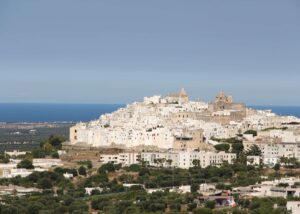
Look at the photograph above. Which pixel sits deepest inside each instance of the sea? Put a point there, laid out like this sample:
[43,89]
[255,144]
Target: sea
[70,113]
[281,110]
[54,113]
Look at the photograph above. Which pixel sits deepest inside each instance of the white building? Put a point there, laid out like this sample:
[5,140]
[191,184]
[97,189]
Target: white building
[170,159]
[15,153]
[253,160]
[46,163]
[181,189]
[89,190]
[293,207]
[125,159]
[68,175]
[271,189]
[187,159]
[11,173]
[10,170]
[273,151]
[18,190]
[157,120]
[180,159]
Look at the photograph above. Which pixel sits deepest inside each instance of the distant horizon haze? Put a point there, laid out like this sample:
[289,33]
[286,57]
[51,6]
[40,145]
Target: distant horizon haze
[124,104]
[140,99]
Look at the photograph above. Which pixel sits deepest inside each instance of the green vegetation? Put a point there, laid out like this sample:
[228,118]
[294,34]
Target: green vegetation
[290,162]
[133,168]
[4,158]
[42,204]
[82,171]
[237,148]
[235,144]
[61,195]
[222,147]
[53,141]
[237,174]
[253,132]
[88,164]
[254,151]
[264,205]
[25,164]
[48,147]
[27,141]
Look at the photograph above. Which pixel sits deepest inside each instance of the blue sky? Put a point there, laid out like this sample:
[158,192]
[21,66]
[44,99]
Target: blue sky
[74,51]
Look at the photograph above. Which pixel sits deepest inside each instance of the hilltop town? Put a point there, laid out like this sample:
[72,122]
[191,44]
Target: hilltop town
[175,124]
[167,122]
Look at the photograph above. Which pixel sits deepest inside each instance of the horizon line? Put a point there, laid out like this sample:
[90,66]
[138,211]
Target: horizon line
[77,103]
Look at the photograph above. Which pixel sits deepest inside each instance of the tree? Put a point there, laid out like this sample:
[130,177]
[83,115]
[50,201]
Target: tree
[191,206]
[34,177]
[99,204]
[293,161]
[175,206]
[82,171]
[109,167]
[237,148]
[202,211]
[134,168]
[194,188]
[196,163]
[9,210]
[56,141]
[144,163]
[222,147]
[73,171]
[95,192]
[34,207]
[169,162]
[157,206]
[254,151]
[144,171]
[284,160]
[48,147]
[55,155]
[25,164]
[38,153]
[160,161]
[89,164]
[283,185]
[45,183]
[4,158]
[78,207]
[210,204]
[277,167]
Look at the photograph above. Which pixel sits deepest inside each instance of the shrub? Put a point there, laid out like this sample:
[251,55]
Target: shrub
[202,211]
[82,171]
[25,164]
[222,147]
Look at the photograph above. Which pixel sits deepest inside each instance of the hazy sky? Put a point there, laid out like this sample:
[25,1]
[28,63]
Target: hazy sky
[97,51]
